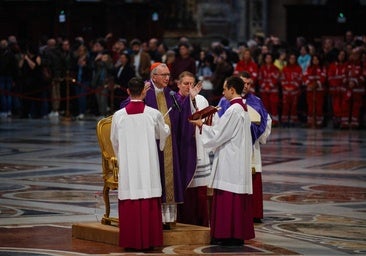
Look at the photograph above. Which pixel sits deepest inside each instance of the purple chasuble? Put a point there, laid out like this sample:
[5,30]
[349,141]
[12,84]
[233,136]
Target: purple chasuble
[256,103]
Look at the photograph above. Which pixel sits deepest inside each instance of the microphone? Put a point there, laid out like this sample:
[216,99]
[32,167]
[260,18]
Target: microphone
[175,102]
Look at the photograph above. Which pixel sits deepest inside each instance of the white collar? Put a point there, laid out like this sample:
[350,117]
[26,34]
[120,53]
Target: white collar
[157,90]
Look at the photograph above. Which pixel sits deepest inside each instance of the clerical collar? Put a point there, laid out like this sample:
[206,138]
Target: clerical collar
[156,88]
[136,100]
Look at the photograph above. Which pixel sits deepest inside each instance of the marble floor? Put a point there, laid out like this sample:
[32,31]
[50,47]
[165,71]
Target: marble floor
[314,184]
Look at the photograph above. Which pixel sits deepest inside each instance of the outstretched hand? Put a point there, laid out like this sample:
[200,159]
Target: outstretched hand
[196,89]
[147,86]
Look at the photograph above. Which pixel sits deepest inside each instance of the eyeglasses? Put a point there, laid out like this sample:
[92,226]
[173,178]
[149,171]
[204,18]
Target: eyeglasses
[163,74]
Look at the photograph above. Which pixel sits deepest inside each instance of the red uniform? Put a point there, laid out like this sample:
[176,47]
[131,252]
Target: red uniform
[269,90]
[352,97]
[314,79]
[291,80]
[336,81]
[251,67]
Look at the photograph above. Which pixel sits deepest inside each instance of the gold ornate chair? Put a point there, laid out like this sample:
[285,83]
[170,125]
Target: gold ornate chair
[109,166]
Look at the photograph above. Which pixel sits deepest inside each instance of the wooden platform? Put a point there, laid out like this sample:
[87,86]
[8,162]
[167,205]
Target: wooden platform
[180,234]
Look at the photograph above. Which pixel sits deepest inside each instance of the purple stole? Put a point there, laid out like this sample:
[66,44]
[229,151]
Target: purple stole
[256,103]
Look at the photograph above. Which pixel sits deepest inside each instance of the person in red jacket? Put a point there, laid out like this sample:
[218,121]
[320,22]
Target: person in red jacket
[246,63]
[336,80]
[269,87]
[291,80]
[352,97]
[314,79]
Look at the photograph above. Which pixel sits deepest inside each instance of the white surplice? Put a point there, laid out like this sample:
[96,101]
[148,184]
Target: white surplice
[256,155]
[230,139]
[203,170]
[134,142]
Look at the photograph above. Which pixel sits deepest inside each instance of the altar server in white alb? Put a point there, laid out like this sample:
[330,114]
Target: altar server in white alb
[260,129]
[134,132]
[231,141]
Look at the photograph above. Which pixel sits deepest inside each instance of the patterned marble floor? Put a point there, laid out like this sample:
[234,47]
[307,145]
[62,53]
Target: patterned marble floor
[314,188]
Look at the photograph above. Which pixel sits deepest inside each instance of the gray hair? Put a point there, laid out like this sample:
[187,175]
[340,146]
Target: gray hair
[153,71]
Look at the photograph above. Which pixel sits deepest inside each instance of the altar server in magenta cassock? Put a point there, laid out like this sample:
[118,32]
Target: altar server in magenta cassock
[174,178]
[231,180]
[260,132]
[134,132]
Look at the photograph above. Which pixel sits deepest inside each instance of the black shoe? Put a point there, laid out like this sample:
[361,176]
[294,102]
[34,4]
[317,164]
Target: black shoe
[149,249]
[127,249]
[214,241]
[232,242]
[227,242]
[257,220]
[166,226]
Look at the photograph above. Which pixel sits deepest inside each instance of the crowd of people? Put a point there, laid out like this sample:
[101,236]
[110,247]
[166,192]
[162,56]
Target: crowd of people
[152,90]
[304,84]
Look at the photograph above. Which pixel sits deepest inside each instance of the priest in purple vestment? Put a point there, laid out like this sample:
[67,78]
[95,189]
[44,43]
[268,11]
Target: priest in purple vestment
[194,210]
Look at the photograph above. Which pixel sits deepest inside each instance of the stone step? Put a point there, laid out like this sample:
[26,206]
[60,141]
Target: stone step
[109,234]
